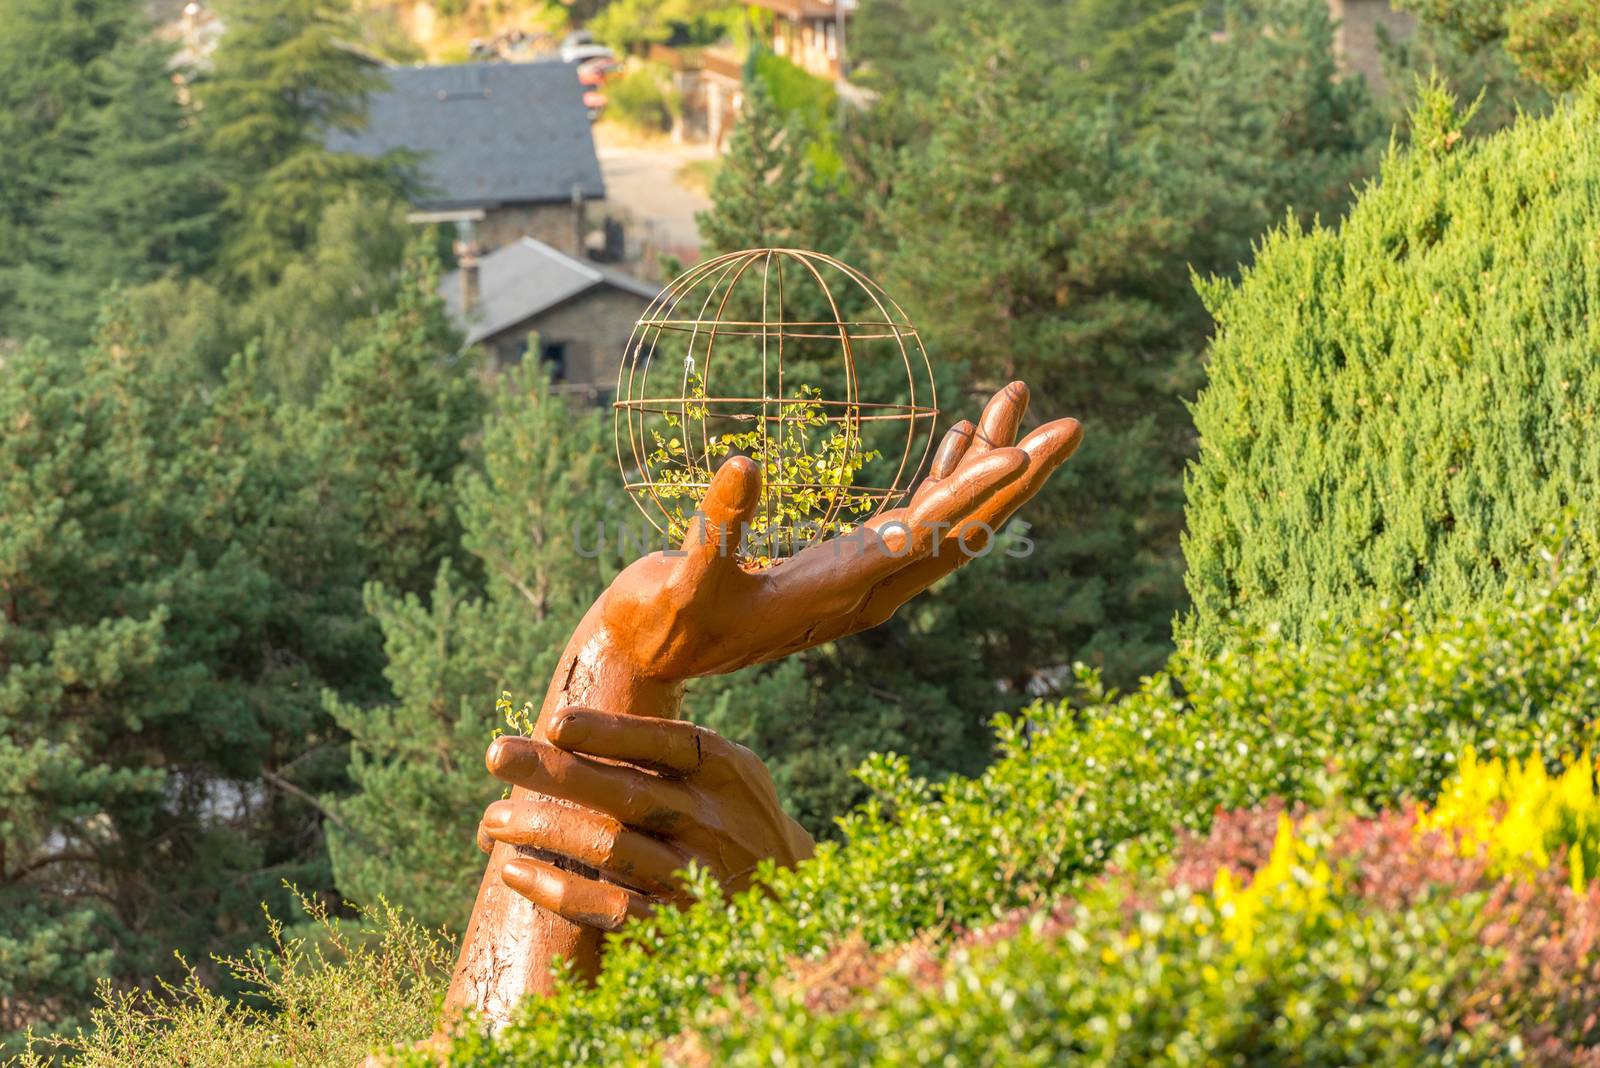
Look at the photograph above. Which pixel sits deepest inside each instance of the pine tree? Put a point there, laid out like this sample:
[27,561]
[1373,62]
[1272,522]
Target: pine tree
[763,181]
[541,522]
[283,76]
[1554,42]
[134,202]
[100,183]
[388,431]
[172,610]
[1118,50]
[1263,124]
[1057,255]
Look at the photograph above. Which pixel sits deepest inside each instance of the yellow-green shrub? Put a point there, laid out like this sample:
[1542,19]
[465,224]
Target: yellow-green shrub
[1521,816]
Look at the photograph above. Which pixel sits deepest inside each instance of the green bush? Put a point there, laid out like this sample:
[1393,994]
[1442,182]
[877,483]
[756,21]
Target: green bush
[1361,717]
[1397,406]
[1318,941]
[322,997]
[1371,713]
[644,98]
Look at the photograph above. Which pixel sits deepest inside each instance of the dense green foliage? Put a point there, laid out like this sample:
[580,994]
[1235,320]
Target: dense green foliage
[103,180]
[1554,42]
[169,614]
[183,554]
[284,74]
[1362,715]
[417,763]
[1349,941]
[1396,408]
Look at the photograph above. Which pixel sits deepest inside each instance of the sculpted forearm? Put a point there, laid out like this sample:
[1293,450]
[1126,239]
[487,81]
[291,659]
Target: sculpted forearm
[612,795]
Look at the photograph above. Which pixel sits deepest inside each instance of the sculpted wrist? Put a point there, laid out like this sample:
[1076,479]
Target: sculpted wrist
[596,671]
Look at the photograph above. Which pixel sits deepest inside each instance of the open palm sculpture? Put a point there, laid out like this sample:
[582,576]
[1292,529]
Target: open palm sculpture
[612,794]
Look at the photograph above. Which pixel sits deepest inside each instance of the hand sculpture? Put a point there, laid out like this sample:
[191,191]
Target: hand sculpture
[607,805]
[638,799]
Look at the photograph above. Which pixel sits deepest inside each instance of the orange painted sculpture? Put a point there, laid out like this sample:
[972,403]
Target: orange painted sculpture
[612,793]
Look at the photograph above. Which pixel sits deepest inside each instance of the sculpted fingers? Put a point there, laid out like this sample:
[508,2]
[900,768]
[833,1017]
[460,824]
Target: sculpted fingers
[997,427]
[591,838]
[827,583]
[954,446]
[1047,448]
[671,747]
[630,795]
[576,898]
[952,449]
[713,537]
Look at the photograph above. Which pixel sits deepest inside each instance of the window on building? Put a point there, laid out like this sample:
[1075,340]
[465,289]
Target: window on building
[553,354]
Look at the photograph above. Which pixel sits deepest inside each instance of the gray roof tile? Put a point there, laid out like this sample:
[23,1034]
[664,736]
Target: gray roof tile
[524,279]
[488,133]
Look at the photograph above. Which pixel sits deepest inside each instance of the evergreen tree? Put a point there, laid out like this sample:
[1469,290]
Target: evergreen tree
[1554,42]
[1060,254]
[101,183]
[327,297]
[1398,408]
[325,301]
[284,76]
[1118,50]
[541,521]
[134,202]
[388,431]
[170,609]
[759,186]
[1057,255]
[1263,124]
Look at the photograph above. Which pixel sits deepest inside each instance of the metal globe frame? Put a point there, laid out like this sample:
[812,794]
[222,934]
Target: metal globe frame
[688,317]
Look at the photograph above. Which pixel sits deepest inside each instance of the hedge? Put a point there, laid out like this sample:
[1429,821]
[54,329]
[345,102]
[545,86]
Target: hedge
[1366,714]
[1396,407]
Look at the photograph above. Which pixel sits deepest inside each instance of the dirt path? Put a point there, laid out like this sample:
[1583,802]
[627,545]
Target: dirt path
[643,186]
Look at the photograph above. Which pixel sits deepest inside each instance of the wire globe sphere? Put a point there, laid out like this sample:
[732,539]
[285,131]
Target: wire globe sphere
[791,358]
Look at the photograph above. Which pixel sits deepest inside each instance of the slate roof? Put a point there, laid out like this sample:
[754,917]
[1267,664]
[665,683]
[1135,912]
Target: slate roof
[488,133]
[524,279]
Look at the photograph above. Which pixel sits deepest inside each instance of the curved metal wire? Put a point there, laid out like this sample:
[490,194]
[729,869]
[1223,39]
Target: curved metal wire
[711,284]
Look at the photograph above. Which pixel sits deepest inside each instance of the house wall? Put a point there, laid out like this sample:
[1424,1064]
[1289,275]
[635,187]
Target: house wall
[809,43]
[560,225]
[1357,33]
[594,329]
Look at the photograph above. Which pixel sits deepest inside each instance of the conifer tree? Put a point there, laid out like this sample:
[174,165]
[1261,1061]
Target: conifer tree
[102,182]
[285,75]
[763,181]
[1057,255]
[171,606]
[541,523]
[388,431]
[1398,408]
[1554,42]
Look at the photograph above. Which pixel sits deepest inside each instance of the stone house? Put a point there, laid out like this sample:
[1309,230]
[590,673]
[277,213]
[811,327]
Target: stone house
[504,149]
[581,313]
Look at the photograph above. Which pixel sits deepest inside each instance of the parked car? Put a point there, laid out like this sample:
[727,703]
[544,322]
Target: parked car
[595,101]
[578,53]
[595,71]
